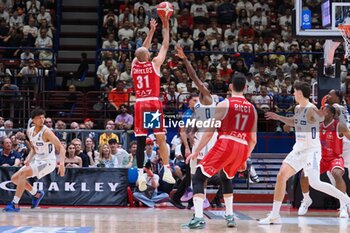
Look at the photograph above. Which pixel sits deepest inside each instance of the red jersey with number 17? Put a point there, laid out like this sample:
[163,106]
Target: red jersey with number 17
[239,119]
[332,144]
[146,79]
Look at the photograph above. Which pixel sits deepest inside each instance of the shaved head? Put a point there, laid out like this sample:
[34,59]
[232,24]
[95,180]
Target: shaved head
[142,54]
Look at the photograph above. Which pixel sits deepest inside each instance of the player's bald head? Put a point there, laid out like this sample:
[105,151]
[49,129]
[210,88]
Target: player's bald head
[142,54]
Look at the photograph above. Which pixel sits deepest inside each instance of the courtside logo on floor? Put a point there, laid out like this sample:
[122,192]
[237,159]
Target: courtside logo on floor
[12,229]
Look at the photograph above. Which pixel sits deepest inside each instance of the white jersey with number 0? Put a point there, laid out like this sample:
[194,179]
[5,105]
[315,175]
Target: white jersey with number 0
[306,134]
[43,150]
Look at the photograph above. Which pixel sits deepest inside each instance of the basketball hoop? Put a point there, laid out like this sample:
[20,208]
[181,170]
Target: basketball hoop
[345,31]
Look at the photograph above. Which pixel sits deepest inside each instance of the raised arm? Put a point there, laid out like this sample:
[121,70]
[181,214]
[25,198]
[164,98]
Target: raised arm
[191,72]
[148,40]
[158,61]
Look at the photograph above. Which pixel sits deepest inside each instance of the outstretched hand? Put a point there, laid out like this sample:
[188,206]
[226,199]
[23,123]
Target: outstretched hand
[271,116]
[153,24]
[165,21]
[180,52]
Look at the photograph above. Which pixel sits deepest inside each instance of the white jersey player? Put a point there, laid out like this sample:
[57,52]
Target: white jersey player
[203,110]
[306,153]
[40,161]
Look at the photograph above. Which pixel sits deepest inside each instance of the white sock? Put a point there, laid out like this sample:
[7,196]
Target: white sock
[276,208]
[228,205]
[16,199]
[205,194]
[140,171]
[307,196]
[198,207]
[34,191]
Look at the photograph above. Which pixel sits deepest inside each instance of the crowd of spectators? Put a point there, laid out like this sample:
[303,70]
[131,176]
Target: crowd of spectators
[25,25]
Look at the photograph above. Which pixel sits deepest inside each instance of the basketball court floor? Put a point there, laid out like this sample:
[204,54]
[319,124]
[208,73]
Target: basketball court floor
[163,219]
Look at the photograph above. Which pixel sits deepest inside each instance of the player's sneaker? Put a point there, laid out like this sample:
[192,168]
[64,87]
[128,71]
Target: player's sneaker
[304,206]
[269,220]
[230,221]
[168,177]
[188,195]
[343,212]
[36,200]
[11,207]
[142,184]
[195,223]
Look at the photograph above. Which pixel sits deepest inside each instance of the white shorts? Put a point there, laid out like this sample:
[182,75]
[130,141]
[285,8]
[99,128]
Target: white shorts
[203,152]
[306,159]
[42,167]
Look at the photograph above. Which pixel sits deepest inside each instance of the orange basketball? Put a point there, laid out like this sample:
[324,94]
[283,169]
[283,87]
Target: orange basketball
[165,9]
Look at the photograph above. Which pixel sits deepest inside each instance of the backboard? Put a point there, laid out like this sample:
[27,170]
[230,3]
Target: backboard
[319,19]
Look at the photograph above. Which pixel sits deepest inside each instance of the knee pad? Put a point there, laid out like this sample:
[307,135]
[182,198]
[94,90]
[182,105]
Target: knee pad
[227,186]
[198,181]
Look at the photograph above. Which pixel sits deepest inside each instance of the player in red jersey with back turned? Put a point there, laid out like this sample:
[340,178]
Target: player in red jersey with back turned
[148,108]
[236,140]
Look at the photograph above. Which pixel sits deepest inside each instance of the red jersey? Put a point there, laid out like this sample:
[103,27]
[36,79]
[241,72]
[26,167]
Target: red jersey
[332,144]
[146,79]
[239,119]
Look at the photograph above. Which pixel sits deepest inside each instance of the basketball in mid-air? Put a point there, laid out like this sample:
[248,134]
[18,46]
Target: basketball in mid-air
[165,9]
[324,100]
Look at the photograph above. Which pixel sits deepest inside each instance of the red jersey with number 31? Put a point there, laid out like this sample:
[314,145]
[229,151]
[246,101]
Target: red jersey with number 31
[332,144]
[239,119]
[146,79]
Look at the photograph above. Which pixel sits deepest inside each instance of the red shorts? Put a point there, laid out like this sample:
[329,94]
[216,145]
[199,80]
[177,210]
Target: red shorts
[144,112]
[226,154]
[330,165]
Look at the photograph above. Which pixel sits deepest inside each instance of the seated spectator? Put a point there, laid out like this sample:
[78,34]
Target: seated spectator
[289,65]
[213,31]
[16,21]
[10,96]
[8,125]
[187,17]
[124,120]
[242,17]
[105,158]
[126,76]
[61,125]
[199,12]
[8,156]
[261,46]
[78,152]
[219,86]
[72,161]
[19,144]
[4,14]
[123,157]
[125,18]
[132,151]
[30,32]
[150,154]
[185,42]
[226,12]
[150,197]
[245,46]
[110,19]
[89,149]
[33,7]
[103,70]
[44,15]
[4,32]
[27,74]
[255,89]
[172,98]
[245,5]
[43,41]
[105,137]
[118,95]
[248,32]
[50,29]
[141,4]
[263,101]
[284,105]
[225,71]
[25,57]
[231,31]
[110,43]
[141,16]
[49,123]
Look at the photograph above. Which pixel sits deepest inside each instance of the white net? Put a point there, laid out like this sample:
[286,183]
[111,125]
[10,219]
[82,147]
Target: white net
[345,31]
